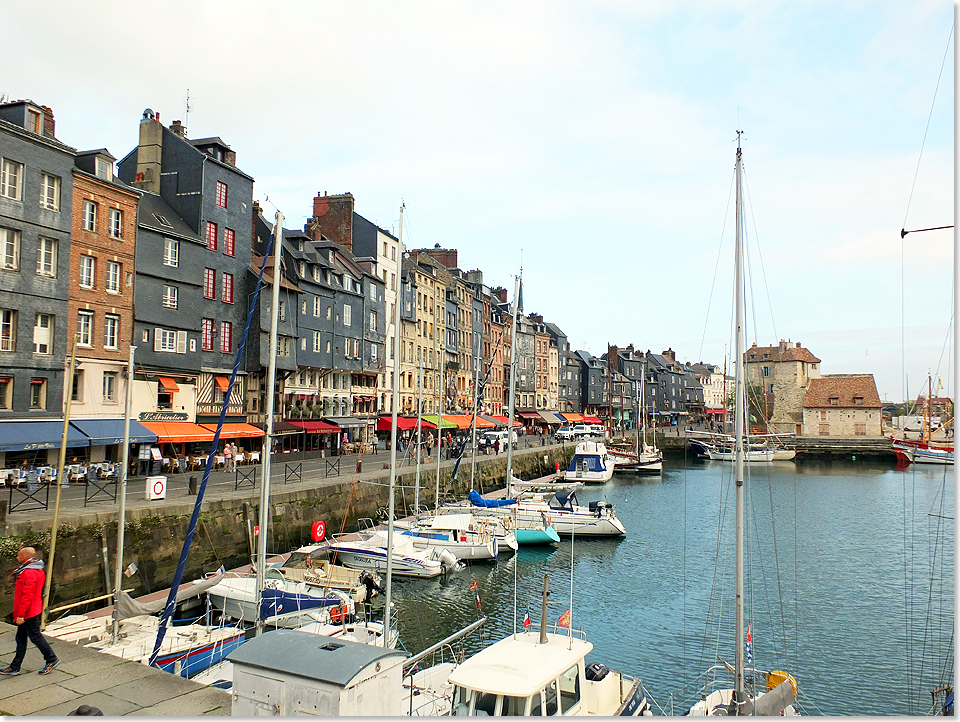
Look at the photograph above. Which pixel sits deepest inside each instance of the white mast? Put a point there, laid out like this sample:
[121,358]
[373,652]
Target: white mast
[418,441]
[393,444]
[513,385]
[739,421]
[122,491]
[268,426]
[440,383]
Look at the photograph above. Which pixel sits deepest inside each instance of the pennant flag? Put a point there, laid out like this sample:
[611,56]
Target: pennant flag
[749,647]
[130,570]
[474,585]
[222,569]
[564,620]
[526,621]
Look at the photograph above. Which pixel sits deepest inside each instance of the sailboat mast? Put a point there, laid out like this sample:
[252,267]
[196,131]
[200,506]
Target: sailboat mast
[268,421]
[393,447]
[440,381]
[739,420]
[418,440]
[513,386]
[122,491]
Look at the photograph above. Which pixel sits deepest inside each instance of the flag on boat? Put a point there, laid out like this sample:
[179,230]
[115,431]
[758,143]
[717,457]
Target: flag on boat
[526,621]
[474,585]
[564,620]
[749,648]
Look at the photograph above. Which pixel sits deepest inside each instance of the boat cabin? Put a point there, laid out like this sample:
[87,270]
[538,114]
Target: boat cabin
[521,676]
[288,672]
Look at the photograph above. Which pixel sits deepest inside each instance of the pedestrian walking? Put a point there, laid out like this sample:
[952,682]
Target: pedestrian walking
[228,457]
[29,579]
[496,447]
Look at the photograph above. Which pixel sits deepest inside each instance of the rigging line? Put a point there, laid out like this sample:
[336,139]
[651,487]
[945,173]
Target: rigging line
[763,271]
[716,265]
[927,129]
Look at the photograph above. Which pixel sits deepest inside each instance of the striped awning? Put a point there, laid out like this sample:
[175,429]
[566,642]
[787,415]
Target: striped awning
[551,417]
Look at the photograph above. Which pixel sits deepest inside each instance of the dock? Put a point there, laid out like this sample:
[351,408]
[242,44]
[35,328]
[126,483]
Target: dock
[114,686]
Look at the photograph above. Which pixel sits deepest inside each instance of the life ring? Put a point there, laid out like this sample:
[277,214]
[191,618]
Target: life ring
[317,531]
[338,613]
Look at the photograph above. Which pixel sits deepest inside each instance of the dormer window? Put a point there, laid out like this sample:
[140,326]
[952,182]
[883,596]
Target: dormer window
[34,122]
[858,401]
[104,169]
[833,401]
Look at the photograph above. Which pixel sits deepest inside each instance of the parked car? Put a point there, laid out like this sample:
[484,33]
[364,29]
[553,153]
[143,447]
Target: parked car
[587,430]
[564,432]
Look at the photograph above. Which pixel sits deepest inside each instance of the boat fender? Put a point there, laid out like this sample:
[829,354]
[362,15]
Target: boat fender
[317,531]
[596,671]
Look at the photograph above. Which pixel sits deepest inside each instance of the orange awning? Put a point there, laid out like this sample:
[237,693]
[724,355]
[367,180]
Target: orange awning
[505,420]
[235,431]
[572,417]
[464,421]
[175,432]
[223,383]
[168,385]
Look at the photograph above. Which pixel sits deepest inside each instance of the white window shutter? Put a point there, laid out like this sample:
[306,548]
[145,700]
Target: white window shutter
[157,334]
[181,341]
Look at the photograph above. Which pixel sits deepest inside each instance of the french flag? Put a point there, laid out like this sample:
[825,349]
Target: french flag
[526,621]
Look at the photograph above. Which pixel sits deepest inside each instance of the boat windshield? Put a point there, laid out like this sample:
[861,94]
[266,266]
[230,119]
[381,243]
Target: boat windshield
[307,560]
[486,704]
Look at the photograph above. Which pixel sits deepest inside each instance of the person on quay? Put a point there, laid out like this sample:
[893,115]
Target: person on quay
[29,579]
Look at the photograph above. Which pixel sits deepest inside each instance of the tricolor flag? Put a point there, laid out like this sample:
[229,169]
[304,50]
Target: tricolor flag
[749,647]
[526,621]
[564,620]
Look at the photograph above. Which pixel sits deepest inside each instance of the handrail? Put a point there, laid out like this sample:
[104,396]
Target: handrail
[410,661]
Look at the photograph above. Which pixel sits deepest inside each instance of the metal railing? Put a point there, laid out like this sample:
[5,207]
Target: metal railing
[245,476]
[293,471]
[29,496]
[105,488]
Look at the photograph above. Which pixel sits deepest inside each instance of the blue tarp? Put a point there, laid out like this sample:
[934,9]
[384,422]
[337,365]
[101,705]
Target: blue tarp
[104,432]
[478,500]
[31,435]
[594,463]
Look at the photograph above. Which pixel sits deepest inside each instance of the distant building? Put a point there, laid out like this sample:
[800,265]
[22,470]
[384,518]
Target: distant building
[783,372]
[842,405]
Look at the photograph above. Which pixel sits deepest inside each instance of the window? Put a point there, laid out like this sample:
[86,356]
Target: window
[328,347]
[206,334]
[116,223]
[43,334]
[346,315]
[316,305]
[212,233]
[393,253]
[163,221]
[85,328]
[104,169]
[282,310]
[824,430]
[8,329]
[226,336]
[33,123]
[9,249]
[858,401]
[373,292]
[316,341]
[111,331]
[169,341]
[329,312]
[38,393]
[860,429]
[822,414]
[170,295]
[356,348]
[110,386]
[227,290]
[303,307]
[393,282]
[834,401]
[11,179]
[114,274]
[569,689]
[302,268]
[76,392]
[373,353]
[47,258]
[6,392]
[373,320]
[316,274]
[89,216]
[221,194]
[49,192]
[765,370]
[209,283]
[229,241]
[88,271]
[171,252]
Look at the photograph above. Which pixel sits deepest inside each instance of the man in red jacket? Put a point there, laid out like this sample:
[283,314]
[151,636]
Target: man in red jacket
[28,610]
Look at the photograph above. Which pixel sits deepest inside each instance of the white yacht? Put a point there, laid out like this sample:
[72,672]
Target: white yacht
[561,511]
[466,536]
[367,550]
[590,464]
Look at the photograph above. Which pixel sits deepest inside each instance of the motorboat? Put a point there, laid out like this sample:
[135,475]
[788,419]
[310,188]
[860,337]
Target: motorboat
[367,550]
[526,530]
[282,603]
[590,464]
[311,564]
[465,536]
[563,513]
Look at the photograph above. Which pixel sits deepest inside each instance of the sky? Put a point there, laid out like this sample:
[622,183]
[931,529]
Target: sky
[591,145]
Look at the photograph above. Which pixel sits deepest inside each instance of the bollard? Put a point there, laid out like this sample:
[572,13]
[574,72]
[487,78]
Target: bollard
[3,510]
[192,491]
[359,466]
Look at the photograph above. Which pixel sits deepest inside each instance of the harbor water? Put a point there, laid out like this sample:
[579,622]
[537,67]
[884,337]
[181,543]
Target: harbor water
[849,582]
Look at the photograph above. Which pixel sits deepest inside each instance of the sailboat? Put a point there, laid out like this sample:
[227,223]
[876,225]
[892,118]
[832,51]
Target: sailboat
[922,451]
[777,690]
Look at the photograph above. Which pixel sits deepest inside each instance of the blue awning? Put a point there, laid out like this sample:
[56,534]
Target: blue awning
[104,432]
[31,435]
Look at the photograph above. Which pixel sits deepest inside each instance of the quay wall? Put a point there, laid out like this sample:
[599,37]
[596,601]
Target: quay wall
[154,535]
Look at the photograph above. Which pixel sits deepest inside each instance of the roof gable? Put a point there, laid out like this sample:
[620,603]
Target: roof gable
[844,388]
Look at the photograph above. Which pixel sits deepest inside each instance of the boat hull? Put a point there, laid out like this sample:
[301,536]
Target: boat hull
[375,560]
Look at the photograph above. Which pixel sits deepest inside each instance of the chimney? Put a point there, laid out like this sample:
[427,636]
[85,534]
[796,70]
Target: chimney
[149,152]
[500,294]
[798,344]
[48,125]
[670,354]
[446,257]
[179,129]
[333,217]
[783,345]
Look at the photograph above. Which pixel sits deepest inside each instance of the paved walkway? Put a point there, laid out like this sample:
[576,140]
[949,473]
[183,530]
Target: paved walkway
[222,485]
[113,685]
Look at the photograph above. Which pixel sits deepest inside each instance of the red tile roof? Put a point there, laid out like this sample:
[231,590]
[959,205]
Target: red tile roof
[845,388]
[780,354]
